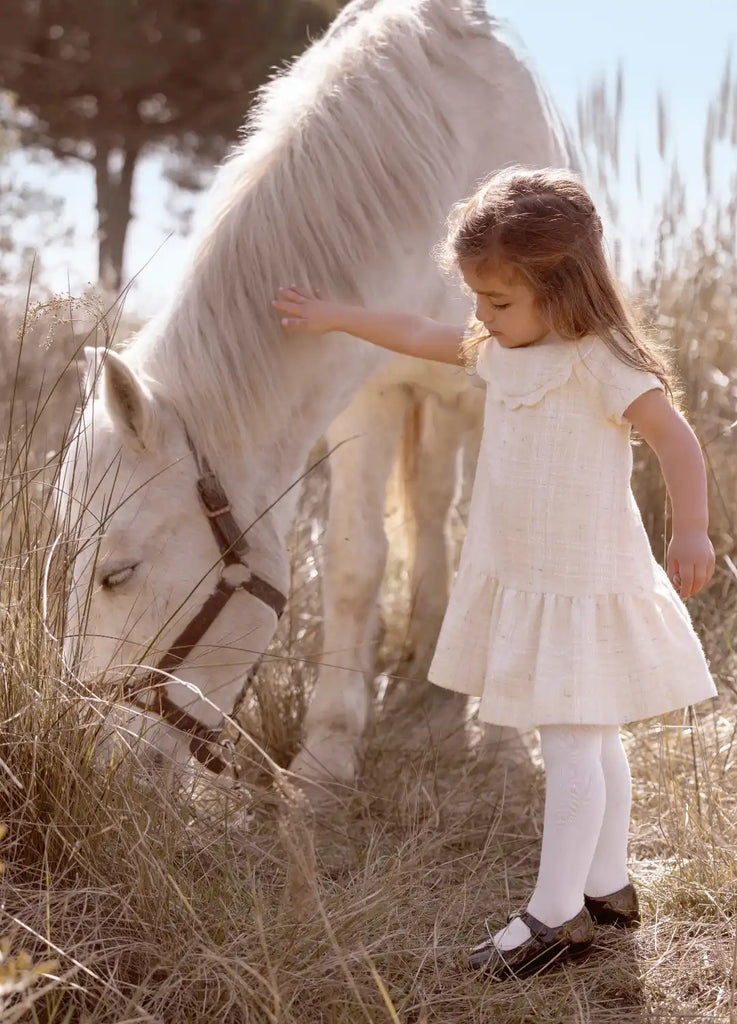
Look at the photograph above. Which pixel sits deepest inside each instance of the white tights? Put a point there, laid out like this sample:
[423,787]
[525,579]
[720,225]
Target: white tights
[588,793]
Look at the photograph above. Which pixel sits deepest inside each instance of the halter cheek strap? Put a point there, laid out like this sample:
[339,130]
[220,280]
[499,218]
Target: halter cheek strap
[148,692]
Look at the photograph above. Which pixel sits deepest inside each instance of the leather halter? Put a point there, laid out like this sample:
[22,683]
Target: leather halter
[148,691]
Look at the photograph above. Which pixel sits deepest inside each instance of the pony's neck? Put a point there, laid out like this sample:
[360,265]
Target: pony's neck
[321,193]
[259,449]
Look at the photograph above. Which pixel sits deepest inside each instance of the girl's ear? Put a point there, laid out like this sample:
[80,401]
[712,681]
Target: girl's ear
[129,403]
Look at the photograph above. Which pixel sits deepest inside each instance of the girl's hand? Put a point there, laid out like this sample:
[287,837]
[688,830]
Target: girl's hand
[690,554]
[307,311]
[406,333]
[691,561]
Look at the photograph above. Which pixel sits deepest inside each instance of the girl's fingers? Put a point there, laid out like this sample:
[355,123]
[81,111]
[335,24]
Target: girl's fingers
[702,575]
[302,307]
[292,294]
[699,582]
[295,294]
[687,582]
[287,307]
[673,573]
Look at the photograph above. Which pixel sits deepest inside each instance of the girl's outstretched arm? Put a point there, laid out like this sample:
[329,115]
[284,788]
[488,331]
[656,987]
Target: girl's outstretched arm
[400,332]
[690,554]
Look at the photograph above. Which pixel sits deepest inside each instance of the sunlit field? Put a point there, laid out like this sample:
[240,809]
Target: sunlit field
[125,903]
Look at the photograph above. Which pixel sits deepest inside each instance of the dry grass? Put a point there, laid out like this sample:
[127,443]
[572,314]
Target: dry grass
[158,908]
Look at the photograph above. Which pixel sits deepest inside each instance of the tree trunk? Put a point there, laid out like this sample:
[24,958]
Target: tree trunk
[114,188]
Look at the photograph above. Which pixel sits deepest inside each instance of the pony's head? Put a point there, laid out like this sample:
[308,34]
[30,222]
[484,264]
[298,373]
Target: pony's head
[145,561]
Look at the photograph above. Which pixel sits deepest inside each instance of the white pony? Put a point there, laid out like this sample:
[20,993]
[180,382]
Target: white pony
[343,181]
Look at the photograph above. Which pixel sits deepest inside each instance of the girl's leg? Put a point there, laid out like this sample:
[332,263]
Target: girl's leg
[575,796]
[608,872]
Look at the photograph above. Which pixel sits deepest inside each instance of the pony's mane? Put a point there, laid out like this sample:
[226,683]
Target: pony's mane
[344,156]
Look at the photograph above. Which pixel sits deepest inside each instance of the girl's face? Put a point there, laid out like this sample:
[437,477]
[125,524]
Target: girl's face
[506,306]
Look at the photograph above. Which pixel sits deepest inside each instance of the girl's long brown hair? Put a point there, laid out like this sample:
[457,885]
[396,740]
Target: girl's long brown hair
[542,225]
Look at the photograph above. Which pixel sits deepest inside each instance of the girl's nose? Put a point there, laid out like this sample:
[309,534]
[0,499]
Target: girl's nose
[484,317]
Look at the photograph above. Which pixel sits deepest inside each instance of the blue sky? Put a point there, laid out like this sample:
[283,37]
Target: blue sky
[676,46]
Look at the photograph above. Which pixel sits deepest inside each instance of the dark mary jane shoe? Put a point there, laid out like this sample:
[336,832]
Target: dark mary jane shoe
[545,947]
[620,908]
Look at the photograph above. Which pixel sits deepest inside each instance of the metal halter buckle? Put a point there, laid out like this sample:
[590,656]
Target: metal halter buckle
[236,576]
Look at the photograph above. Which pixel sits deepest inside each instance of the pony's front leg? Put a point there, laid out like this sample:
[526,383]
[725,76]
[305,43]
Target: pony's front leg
[355,553]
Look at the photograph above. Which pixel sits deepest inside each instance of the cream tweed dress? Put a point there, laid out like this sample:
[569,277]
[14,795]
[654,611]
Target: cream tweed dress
[559,613]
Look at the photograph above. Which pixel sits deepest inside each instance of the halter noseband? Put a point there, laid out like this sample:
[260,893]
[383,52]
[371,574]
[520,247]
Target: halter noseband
[147,691]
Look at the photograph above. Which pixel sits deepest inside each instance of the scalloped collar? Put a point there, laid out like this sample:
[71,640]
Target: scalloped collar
[522,376]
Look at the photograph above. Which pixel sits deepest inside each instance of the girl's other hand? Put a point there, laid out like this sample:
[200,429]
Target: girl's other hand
[307,310]
[691,562]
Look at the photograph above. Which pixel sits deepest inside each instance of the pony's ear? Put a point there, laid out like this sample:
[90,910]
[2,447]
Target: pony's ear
[129,403]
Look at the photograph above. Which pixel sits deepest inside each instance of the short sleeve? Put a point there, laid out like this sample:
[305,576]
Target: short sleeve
[476,379]
[615,383]
[482,359]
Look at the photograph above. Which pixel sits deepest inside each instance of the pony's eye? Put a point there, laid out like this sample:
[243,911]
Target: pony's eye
[115,579]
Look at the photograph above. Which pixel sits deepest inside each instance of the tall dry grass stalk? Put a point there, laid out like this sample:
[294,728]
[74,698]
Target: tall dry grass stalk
[125,902]
[682,272]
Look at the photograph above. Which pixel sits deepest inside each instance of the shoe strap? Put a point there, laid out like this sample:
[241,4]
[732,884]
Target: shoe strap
[544,932]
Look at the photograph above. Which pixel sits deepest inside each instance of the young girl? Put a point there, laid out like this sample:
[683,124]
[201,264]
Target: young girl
[560,617]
